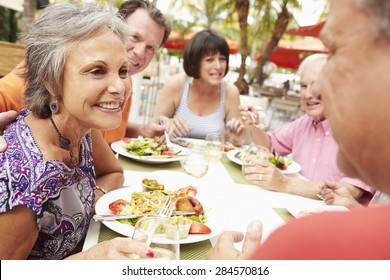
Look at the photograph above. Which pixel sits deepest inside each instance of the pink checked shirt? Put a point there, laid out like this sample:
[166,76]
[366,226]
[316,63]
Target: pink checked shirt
[313,147]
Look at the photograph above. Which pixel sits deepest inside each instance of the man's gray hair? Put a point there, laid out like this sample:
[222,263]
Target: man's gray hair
[59,28]
[310,58]
[379,12]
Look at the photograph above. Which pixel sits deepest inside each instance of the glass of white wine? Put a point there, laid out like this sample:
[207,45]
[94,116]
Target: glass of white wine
[194,162]
[164,247]
[215,143]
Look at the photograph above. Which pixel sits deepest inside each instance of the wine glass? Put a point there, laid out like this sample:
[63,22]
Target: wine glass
[215,143]
[194,162]
[165,243]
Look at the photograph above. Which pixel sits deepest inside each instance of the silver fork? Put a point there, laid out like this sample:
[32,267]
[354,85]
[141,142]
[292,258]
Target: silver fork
[165,212]
[169,143]
[252,117]
[260,125]
[167,140]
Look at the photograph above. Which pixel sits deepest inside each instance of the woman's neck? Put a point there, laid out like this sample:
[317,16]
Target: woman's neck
[203,89]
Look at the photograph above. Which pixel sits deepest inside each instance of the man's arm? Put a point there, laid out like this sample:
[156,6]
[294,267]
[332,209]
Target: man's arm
[5,119]
[151,129]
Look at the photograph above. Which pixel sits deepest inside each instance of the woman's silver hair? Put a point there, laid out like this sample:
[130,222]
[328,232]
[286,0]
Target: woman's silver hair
[379,12]
[59,28]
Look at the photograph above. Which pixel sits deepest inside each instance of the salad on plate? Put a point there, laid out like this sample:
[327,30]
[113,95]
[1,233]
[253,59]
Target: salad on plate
[143,146]
[150,202]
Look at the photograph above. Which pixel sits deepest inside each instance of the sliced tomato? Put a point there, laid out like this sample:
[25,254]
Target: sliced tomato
[168,152]
[199,228]
[126,140]
[117,206]
[228,148]
[189,190]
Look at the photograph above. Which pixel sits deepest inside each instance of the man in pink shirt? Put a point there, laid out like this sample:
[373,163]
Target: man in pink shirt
[310,142]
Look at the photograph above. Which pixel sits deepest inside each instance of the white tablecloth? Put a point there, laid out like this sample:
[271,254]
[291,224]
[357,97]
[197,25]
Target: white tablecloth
[243,203]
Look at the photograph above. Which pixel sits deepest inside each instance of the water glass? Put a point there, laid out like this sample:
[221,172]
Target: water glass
[252,152]
[164,247]
[215,144]
[194,162]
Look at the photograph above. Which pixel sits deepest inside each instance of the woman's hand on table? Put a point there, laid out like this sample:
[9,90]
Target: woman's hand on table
[224,248]
[115,249]
[177,127]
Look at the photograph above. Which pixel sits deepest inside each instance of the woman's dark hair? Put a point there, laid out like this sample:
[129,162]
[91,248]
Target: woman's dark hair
[205,42]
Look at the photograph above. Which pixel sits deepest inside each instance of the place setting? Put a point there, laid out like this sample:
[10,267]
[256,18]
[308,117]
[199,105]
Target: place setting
[148,150]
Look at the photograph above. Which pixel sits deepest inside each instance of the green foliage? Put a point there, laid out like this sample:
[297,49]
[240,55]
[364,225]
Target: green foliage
[8,25]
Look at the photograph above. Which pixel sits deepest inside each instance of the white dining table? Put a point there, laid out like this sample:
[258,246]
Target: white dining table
[238,203]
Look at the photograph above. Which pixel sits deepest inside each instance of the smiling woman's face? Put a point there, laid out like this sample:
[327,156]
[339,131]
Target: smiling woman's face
[96,82]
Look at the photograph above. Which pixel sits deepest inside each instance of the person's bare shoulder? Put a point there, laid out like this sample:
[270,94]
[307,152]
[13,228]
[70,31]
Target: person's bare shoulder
[174,84]
[231,90]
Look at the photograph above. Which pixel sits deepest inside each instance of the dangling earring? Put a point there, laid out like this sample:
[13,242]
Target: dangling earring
[53,106]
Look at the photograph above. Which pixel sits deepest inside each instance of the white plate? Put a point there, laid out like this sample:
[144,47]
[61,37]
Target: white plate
[291,169]
[119,147]
[299,212]
[216,217]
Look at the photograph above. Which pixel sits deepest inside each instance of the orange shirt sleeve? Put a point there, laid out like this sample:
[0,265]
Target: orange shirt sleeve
[12,88]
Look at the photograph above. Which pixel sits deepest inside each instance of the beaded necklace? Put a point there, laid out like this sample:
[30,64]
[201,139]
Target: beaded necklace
[65,143]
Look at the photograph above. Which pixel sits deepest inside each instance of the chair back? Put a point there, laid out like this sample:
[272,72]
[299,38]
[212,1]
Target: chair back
[11,54]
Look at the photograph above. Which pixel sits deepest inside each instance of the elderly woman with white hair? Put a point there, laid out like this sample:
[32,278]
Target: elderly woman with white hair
[310,143]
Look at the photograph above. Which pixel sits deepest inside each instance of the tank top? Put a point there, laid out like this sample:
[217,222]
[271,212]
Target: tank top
[201,125]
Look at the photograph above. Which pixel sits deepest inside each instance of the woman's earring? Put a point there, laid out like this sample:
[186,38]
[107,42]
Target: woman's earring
[54,106]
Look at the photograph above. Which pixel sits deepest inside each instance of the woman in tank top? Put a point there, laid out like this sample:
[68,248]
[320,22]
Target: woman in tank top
[199,101]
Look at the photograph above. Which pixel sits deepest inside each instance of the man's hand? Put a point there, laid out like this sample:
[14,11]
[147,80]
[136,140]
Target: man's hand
[149,130]
[224,248]
[337,194]
[5,119]
[153,128]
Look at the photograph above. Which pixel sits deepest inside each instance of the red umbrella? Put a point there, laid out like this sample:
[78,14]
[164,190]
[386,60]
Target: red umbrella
[289,54]
[310,30]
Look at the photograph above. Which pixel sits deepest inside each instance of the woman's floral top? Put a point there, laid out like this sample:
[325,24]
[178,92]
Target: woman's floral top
[61,197]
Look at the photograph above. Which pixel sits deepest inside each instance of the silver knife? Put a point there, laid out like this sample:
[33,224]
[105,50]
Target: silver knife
[113,217]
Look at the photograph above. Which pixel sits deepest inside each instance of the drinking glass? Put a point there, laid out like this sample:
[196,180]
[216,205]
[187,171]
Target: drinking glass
[194,162]
[252,152]
[215,144]
[379,198]
[165,246]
